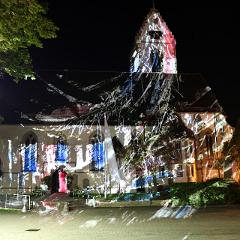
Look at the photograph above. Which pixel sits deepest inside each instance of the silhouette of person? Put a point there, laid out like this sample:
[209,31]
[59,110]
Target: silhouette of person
[55,181]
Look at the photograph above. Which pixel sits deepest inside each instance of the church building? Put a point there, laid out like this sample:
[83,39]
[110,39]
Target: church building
[88,123]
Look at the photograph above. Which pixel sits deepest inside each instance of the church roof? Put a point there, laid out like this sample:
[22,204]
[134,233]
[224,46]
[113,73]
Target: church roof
[61,96]
[150,89]
[195,95]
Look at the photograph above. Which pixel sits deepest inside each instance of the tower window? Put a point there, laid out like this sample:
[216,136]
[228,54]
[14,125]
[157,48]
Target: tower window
[155,34]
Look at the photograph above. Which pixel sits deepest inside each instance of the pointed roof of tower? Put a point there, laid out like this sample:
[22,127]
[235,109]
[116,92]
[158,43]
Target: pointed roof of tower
[154,39]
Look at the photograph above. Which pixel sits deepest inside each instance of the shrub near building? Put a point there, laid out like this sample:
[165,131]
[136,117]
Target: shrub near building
[213,192]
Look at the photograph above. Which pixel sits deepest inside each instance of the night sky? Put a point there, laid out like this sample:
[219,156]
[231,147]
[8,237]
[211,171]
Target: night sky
[99,36]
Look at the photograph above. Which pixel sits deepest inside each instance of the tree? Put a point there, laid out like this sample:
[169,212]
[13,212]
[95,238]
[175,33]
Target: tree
[23,24]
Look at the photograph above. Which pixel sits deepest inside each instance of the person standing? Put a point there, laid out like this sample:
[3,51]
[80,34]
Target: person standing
[62,181]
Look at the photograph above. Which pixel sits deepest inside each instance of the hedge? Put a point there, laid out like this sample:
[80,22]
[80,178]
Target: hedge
[212,192]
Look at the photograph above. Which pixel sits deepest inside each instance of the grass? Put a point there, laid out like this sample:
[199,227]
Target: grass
[9,210]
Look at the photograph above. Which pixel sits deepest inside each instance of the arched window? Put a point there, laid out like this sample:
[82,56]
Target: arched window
[98,153]
[30,152]
[61,150]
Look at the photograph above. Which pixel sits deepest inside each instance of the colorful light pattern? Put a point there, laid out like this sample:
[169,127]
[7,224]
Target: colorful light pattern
[98,159]
[49,158]
[154,53]
[155,47]
[10,160]
[61,152]
[30,156]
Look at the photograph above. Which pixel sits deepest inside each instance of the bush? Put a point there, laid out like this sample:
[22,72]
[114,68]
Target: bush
[77,192]
[181,192]
[111,196]
[37,192]
[208,196]
[69,181]
[206,193]
[134,197]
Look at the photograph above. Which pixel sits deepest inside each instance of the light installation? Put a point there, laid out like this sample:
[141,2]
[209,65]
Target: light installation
[152,71]
[211,143]
[10,160]
[50,158]
[147,86]
[61,151]
[155,49]
[30,158]
[30,154]
[79,156]
[98,160]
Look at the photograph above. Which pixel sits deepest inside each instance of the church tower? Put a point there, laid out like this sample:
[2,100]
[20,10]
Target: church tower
[155,47]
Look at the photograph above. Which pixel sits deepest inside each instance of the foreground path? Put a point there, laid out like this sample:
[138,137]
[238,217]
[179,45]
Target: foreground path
[123,223]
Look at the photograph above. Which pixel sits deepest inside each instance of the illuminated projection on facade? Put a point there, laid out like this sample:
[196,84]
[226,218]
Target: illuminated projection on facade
[139,106]
[155,49]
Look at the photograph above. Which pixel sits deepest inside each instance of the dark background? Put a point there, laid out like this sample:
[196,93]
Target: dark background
[99,36]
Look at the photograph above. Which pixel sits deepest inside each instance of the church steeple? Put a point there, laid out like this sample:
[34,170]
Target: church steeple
[154,47]
[153,4]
